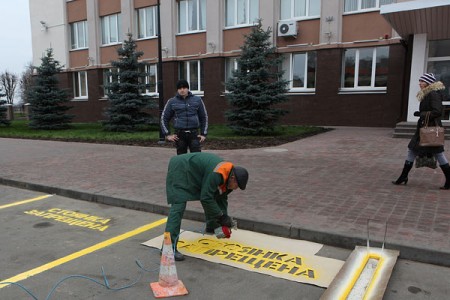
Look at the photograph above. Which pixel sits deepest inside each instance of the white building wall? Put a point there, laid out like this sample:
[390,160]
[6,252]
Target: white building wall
[419,57]
[53,14]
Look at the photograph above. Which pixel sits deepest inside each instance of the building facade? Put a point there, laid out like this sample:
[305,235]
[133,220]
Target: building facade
[345,61]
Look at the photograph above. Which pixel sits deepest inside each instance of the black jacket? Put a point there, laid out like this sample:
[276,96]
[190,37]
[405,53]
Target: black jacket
[430,99]
[188,113]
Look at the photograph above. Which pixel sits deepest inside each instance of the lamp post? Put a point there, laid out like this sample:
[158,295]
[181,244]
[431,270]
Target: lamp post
[159,72]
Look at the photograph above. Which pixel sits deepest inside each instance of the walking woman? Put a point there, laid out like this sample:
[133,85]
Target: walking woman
[430,96]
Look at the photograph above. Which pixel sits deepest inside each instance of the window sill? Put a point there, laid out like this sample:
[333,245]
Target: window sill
[298,19]
[112,44]
[191,32]
[147,38]
[198,93]
[362,91]
[78,49]
[301,93]
[240,26]
[81,99]
[367,10]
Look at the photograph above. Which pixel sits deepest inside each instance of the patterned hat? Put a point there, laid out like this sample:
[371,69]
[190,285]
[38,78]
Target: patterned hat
[428,78]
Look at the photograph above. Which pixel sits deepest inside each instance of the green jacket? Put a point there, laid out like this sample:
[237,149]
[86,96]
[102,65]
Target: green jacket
[191,177]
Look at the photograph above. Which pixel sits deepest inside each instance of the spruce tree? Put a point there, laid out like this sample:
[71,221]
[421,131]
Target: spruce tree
[47,99]
[3,111]
[256,87]
[126,102]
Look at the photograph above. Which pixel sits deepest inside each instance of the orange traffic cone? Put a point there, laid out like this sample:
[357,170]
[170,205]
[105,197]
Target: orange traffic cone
[168,284]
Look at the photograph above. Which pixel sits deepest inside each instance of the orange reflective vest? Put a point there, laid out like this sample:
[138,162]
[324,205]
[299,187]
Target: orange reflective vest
[224,169]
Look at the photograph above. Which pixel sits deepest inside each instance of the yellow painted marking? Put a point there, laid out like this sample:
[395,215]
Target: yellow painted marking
[25,201]
[375,276]
[358,272]
[83,252]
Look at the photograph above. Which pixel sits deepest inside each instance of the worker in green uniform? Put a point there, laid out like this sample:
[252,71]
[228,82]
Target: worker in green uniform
[203,177]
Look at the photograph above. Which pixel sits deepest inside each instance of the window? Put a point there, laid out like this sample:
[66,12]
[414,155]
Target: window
[357,5]
[439,62]
[231,65]
[192,71]
[80,85]
[241,12]
[78,35]
[111,29]
[146,22]
[151,79]
[291,9]
[191,15]
[365,68]
[300,70]
[109,76]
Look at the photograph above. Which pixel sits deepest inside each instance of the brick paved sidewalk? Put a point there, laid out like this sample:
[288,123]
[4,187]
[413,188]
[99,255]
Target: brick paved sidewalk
[323,188]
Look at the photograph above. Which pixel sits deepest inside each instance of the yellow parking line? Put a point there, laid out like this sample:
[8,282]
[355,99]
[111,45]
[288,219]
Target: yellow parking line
[81,253]
[25,201]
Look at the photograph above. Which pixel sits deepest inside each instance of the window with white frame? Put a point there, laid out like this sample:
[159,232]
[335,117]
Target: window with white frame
[365,68]
[439,62]
[300,70]
[241,12]
[147,20]
[78,35]
[192,71]
[150,80]
[80,85]
[191,15]
[291,9]
[111,32]
[231,65]
[109,76]
[361,5]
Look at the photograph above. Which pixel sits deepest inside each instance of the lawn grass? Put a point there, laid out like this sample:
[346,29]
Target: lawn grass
[94,132]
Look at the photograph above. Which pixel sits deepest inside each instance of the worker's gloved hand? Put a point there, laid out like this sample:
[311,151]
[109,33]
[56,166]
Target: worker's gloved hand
[417,114]
[226,220]
[223,232]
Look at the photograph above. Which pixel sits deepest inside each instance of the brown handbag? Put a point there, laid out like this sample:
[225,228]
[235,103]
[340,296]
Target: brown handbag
[432,136]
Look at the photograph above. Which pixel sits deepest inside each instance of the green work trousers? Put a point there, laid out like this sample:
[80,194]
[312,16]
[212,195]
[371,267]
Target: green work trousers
[173,224]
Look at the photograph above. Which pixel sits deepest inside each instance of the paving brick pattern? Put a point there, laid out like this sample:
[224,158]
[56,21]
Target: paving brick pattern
[331,183]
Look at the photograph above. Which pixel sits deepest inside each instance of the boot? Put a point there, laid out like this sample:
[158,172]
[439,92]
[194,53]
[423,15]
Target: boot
[446,169]
[177,255]
[404,176]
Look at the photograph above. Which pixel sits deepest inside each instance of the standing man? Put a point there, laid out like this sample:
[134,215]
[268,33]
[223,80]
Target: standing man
[203,177]
[189,114]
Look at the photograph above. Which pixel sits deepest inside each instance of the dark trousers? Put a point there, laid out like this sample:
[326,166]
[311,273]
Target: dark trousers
[187,139]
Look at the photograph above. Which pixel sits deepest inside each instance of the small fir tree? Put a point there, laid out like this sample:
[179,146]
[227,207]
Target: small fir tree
[126,101]
[3,111]
[47,99]
[256,86]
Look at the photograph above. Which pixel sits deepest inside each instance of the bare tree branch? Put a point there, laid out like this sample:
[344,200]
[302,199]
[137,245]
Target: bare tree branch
[8,82]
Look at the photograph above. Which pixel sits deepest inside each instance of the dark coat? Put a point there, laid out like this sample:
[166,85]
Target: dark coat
[188,113]
[430,99]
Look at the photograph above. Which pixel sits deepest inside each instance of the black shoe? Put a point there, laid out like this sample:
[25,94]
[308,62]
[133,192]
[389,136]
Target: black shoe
[400,181]
[178,256]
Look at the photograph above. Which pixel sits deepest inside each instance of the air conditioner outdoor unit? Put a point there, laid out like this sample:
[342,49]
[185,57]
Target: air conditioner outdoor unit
[287,28]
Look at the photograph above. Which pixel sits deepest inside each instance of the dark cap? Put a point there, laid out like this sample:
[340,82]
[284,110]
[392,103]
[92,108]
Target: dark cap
[241,176]
[182,83]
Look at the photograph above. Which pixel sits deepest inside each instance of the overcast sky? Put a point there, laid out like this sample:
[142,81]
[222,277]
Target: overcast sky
[15,36]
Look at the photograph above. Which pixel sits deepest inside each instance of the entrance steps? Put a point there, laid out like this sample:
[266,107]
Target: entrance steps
[407,129]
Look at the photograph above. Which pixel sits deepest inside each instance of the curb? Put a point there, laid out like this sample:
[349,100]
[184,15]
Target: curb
[422,255]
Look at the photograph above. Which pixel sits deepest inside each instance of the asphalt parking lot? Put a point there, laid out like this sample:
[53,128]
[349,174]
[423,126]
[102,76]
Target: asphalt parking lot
[60,248]
[55,248]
